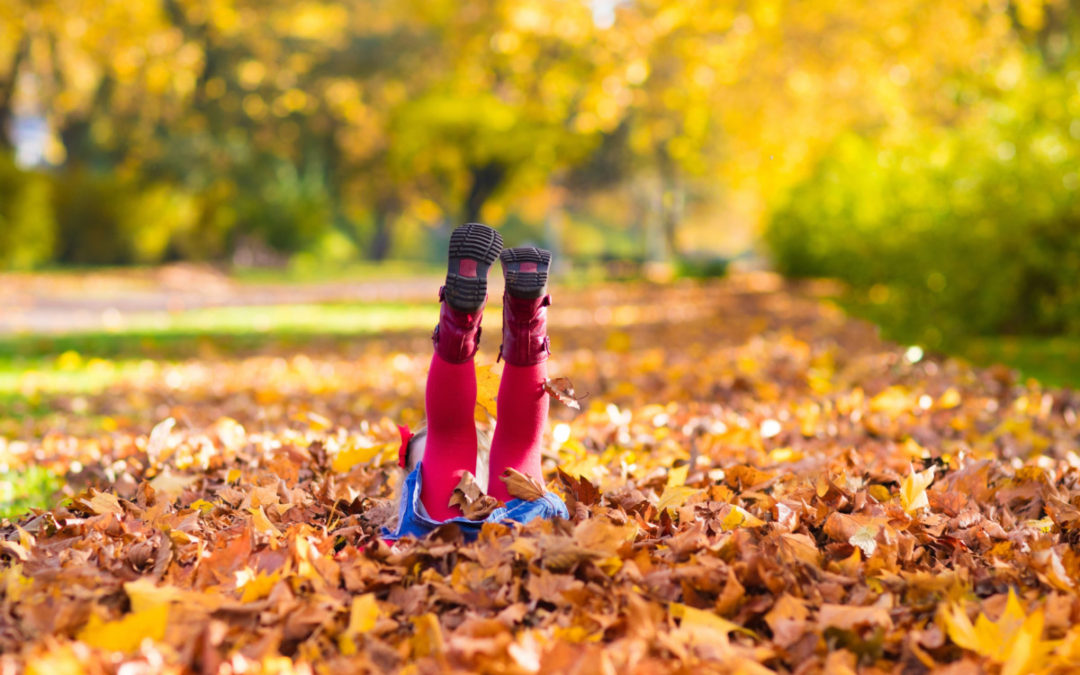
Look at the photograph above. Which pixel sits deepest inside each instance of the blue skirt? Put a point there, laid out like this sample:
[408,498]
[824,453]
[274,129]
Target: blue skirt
[414,521]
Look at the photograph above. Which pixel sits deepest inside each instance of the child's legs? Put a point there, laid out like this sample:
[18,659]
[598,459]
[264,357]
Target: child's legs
[451,433]
[522,414]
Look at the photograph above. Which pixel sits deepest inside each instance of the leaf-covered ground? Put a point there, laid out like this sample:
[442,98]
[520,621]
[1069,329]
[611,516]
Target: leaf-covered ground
[756,483]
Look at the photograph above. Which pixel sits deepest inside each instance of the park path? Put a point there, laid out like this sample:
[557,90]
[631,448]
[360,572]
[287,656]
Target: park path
[95,301]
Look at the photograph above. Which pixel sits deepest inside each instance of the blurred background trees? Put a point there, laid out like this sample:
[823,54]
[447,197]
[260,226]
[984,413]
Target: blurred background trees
[927,153]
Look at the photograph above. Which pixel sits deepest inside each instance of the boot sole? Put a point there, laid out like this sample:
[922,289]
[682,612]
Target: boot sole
[481,244]
[530,284]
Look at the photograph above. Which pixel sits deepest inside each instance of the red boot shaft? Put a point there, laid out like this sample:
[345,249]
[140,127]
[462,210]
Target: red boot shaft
[457,337]
[525,339]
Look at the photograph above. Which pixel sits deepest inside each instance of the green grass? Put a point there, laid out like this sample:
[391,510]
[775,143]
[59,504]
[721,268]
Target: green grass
[21,491]
[306,318]
[1053,361]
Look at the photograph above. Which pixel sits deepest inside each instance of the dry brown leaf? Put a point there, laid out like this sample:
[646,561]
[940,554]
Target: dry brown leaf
[521,486]
[261,554]
[562,390]
[466,491]
[847,617]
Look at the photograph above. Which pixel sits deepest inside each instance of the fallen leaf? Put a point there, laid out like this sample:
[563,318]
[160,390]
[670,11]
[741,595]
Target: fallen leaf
[255,586]
[427,637]
[1014,640]
[675,496]
[262,523]
[144,594]
[521,486]
[157,445]
[865,538]
[363,613]
[126,634]
[170,485]
[787,620]
[848,617]
[487,391]
[466,491]
[105,502]
[355,454]
[702,625]
[913,489]
[562,390]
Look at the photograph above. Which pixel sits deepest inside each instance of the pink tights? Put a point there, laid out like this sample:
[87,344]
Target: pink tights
[451,430]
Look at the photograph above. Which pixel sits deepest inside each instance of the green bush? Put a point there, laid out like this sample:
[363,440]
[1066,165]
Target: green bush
[78,216]
[288,210]
[27,222]
[960,232]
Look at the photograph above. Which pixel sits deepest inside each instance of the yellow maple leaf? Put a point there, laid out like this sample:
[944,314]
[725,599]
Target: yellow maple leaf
[145,595]
[913,489]
[262,523]
[703,625]
[427,637]
[363,615]
[202,505]
[255,586]
[487,390]
[14,583]
[676,476]
[1014,640]
[675,496]
[355,453]
[128,633]
[740,517]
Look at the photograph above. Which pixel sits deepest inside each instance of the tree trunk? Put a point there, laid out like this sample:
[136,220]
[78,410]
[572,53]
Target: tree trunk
[485,180]
[671,216]
[7,95]
[671,202]
[382,238]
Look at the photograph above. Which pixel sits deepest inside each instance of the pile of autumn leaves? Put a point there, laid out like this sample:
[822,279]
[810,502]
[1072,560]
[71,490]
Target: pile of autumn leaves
[809,500]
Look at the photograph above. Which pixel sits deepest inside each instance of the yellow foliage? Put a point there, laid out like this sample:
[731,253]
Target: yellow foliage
[262,523]
[427,637]
[356,453]
[363,614]
[740,517]
[487,390]
[703,626]
[1014,640]
[677,475]
[145,595]
[894,401]
[128,633]
[950,399]
[255,586]
[913,489]
[675,496]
